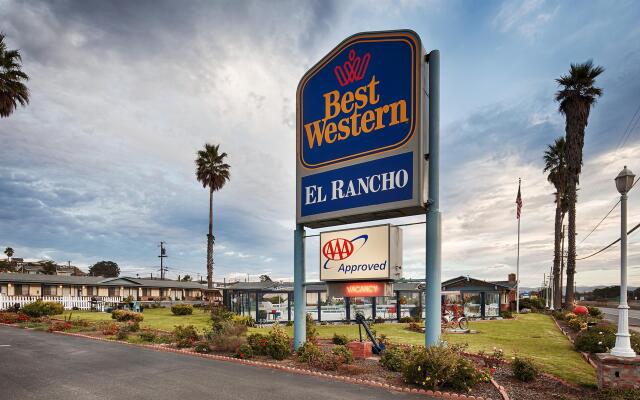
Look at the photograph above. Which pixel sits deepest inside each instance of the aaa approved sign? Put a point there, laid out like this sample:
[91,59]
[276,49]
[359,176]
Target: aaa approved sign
[372,253]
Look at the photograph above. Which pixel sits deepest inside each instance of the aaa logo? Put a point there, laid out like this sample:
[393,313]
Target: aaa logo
[339,249]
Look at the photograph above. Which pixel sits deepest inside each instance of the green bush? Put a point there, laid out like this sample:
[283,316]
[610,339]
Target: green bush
[602,338]
[126,315]
[328,361]
[188,332]
[309,352]
[244,351]
[245,320]
[182,309]
[466,376]
[577,324]
[394,358]
[414,327]
[340,339]
[406,320]
[148,336]
[278,343]
[532,304]
[41,308]
[431,367]
[595,312]
[258,343]
[311,331]
[344,352]
[506,314]
[524,369]
[618,394]
[218,316]
[202,347]
[229,336]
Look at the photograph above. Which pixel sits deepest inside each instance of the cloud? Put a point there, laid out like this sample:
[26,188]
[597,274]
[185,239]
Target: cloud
[528,18]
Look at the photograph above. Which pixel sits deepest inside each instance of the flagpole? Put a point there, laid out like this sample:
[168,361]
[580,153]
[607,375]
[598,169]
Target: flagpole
[518,260]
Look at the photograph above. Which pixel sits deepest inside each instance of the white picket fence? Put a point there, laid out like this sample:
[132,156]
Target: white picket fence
[69,302]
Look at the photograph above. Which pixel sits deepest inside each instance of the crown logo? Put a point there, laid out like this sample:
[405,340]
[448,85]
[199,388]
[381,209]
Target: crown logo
[353,69]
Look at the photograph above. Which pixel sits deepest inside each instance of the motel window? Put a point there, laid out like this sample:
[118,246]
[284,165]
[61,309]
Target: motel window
[113,292]
[49,291]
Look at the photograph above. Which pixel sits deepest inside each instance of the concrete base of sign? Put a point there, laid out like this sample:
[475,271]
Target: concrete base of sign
[618,372]
[360,350]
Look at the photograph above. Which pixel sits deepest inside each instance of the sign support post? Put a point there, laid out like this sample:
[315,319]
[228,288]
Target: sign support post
[299,290]
[433,248]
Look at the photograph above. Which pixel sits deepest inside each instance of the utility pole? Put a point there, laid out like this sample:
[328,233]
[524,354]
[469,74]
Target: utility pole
[163,254]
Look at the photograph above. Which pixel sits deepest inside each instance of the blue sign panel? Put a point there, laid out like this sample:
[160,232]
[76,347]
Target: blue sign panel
[360,151]
[360,100]
[379,181]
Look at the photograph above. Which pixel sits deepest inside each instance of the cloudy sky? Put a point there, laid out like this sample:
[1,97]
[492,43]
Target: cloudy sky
[100,165]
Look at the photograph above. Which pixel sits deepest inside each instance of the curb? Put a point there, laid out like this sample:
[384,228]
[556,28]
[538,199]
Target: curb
[501,389]
[294,370]
[584,355]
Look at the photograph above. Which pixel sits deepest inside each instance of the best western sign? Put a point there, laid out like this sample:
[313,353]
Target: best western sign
[373,253]
[360,124]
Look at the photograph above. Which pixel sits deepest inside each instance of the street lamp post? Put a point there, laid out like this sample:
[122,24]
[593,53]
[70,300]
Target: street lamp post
[624,183]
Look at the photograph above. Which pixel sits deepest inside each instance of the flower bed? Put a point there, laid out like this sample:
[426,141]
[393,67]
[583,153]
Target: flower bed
[471,375]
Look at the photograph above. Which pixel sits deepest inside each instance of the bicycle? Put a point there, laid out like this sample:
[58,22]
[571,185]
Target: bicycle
[448,320]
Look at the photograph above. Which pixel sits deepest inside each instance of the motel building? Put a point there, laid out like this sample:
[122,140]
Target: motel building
[32,285]
[267,302]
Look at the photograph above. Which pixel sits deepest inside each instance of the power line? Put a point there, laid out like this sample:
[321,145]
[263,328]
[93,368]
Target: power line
[611,244]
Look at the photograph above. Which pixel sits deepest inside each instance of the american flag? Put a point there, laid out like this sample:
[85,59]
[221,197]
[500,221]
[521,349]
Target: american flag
[518,202]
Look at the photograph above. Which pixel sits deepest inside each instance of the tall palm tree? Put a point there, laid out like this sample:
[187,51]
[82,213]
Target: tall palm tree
[12,88]
[213,173]
[576,96]
[8,252]
[554,163]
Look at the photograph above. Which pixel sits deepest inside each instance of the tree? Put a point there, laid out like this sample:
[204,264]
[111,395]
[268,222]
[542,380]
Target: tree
[9,253]
[12,87]
[6,266]
[107,269]
[49,268]
[186,278]
[554,163]
[265,278]
[213,173]
[576,96]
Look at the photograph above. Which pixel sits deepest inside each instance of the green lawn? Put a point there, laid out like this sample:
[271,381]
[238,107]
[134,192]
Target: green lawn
[531,335]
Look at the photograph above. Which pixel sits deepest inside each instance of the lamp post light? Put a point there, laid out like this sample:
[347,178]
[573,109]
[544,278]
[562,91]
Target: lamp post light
[624,183]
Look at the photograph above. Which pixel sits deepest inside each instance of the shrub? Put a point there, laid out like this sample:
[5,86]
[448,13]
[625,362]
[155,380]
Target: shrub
[393,358]
[278,344]
[218,316]
[466,376]
[602,338]
[245,320]
[618,394]
[185,332]
[258,343]
[12,318]
[182,309]
[122,334]
[524,369]
[595,312]
[41,308]
[431,367]
[344,352]
[244,351]
[110,329]
[414,327]
[126,315]
[577,324]
[229,336]
[506,314]
[309,352]
[289,323]
[202,347]
[59,326]
[340,339]
[312,332]
[532,304]
[328,361]
[406,320]
[379,320]
[148,336]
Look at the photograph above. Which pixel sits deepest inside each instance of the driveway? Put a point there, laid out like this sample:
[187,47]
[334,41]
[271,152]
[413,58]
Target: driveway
[40,365]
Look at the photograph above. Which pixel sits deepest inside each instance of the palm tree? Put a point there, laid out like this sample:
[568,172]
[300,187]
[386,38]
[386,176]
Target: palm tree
[9,253]
[576,96]
[213,173]
[554,163]
[12,88]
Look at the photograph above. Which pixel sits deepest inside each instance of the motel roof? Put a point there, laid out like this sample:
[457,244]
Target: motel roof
[95,281]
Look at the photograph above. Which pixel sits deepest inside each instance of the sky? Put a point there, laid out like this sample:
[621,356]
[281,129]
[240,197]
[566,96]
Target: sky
[100,164]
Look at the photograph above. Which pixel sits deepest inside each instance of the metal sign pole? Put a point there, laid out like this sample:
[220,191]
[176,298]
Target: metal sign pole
[433,267]
[299,291]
